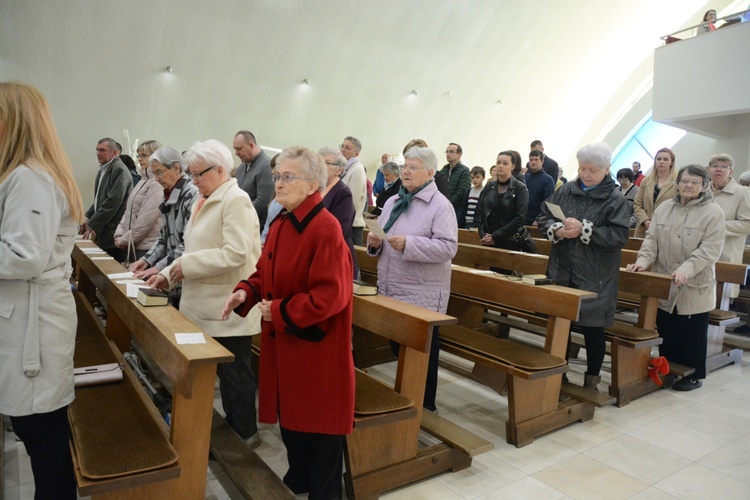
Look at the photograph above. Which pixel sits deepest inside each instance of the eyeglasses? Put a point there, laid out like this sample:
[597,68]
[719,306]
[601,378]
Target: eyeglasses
[196,177]
[720,166]
[159,173]
[411,168]
[287,177]
[333,163]
[449,152]
[688,182]
[346,147]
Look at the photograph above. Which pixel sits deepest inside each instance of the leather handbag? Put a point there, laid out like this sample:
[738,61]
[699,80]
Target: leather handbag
[524,240]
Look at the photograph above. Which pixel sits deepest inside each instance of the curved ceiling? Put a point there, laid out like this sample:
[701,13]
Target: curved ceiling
[489,74]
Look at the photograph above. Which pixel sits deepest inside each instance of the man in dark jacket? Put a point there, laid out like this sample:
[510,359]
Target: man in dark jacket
[111,190]
[254,173]
[459,179]
[540,186]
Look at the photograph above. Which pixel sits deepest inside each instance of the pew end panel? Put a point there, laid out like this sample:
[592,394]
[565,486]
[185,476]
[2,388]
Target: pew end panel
[383,450]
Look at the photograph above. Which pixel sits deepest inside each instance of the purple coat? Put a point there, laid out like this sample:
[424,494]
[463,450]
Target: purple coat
[421,274]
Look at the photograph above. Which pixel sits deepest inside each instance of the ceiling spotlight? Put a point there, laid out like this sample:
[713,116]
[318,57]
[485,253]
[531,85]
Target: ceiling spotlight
[413,92]
[499,101]
[306,81]
[169,69]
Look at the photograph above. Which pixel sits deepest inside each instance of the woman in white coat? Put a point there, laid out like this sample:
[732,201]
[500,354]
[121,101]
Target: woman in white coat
[40,211]
[221,249]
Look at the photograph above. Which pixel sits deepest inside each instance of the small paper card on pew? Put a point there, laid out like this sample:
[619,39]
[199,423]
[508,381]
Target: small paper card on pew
[556,211]
[119,276]
[376,229]
[133,288]
[190,338]
[88,250]
[107,257]
[98,374]
[134,280]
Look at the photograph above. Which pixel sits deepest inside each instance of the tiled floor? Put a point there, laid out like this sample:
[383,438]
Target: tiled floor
[664,445]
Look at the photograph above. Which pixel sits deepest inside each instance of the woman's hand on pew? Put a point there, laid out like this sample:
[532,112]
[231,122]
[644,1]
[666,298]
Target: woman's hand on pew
[487,240]
[373,241]
[144,275]
[175,272]
[635,267]
[679,278]
[158,281]
[237,298]
[138,265]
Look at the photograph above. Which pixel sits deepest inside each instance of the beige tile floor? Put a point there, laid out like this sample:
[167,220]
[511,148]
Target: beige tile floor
[665,445]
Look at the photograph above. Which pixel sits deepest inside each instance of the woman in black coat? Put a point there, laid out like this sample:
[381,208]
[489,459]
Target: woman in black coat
[502,208]
[587,244]
[392,175]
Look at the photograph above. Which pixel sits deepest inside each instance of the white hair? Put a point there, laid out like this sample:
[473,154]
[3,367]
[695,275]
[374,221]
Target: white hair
[425,155]
[597,154]
[212,152]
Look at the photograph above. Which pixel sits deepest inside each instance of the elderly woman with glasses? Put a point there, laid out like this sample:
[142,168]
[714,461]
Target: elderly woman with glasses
[222,245]
[392,176]
[414,264]
[168,169]
[141,223]
[685,241]
[303,285]
[586,246]
[734,201]
[337,197]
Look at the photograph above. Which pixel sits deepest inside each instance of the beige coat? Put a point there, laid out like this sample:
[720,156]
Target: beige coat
[644,205]
[222,246]
[734,200]
[688,239]
[141,222]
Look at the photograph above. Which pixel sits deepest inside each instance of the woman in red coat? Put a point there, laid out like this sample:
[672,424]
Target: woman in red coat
[303,283]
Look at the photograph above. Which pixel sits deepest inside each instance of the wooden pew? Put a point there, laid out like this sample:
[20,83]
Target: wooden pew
[383,452]
[630,347]
[190,369]
[726,274]
[534,407]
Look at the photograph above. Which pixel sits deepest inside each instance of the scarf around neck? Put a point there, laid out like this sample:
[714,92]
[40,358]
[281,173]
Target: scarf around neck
[402,205]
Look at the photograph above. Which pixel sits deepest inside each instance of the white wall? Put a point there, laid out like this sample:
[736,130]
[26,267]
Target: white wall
[561,69]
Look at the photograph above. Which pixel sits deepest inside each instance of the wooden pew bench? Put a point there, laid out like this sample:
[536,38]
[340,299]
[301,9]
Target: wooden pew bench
[534,407]
[190,370]
[630,345]
[383,451]
[726,274]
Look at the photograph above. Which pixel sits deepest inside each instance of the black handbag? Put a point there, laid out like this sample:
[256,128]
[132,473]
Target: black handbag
[523,238]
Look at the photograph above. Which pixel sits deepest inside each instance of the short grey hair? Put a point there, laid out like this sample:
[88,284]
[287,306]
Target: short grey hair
[425,155]
[696,170]
[391,167]
[247,135]
[745,177]
[312,164]
[722,157]
[325,151]
[597,154]
[168,156]
[111,144]
[212,152]
[355,141]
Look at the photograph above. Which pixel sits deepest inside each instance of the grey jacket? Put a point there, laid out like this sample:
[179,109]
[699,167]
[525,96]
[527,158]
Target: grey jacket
[592,261]
[175,213]
[256,180]
[688,239]
[111,190]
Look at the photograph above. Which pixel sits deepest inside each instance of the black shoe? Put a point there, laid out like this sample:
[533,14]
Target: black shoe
[687,384]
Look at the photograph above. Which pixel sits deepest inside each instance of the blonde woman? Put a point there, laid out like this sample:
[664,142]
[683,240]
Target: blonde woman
[658,187]
[40,212]
[140,224]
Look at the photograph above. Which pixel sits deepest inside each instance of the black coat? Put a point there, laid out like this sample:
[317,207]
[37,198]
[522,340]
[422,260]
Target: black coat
[385,194]
[594,267]
[512,211]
